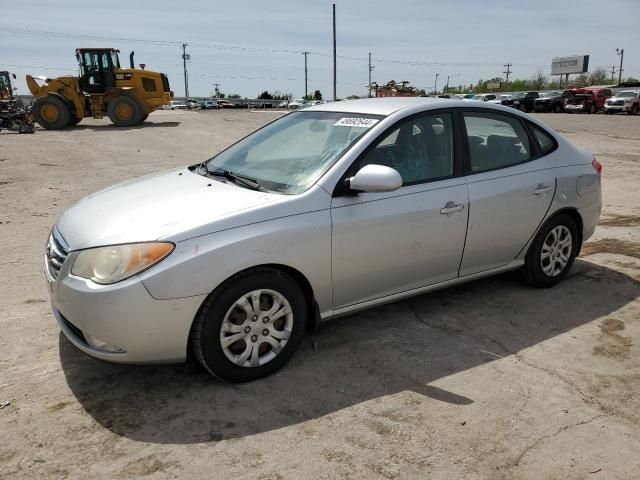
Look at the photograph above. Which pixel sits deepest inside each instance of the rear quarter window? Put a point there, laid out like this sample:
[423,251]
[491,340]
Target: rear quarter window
[545,141]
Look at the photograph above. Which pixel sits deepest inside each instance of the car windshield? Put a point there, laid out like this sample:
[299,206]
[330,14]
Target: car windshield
[625,94]
[291,153]
[519,95]
[476,97]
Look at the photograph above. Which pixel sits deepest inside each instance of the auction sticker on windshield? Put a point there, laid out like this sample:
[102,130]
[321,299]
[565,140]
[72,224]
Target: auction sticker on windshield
[356,122]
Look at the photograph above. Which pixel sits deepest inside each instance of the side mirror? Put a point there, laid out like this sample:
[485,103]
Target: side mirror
[14,76]
[375,178]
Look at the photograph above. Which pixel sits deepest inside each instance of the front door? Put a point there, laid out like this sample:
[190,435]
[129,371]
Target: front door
[390,242]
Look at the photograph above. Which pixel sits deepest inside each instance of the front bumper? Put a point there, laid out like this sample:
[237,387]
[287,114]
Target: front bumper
[575,108]
[618,108]
[123,315]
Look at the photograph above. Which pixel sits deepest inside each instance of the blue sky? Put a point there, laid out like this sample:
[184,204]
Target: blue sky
[250,45]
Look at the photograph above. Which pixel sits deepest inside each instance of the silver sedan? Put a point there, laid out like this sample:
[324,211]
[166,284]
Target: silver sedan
[323,212]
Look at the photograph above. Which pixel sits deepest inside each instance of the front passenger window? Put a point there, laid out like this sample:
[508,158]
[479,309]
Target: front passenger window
[420,149]
[495,141]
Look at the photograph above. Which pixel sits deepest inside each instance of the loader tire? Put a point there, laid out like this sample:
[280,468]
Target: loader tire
[125,111]
[73,120]
[51,112]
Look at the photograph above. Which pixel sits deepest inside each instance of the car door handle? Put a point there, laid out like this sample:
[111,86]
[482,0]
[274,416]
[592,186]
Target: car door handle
[542,189]
[451,207]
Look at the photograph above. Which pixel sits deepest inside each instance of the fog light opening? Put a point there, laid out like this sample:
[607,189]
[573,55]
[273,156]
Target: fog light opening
[100,345]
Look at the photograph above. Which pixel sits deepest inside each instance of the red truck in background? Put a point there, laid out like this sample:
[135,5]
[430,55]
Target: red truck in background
[587,99]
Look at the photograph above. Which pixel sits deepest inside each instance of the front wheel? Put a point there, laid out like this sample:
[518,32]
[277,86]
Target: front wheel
[250,326]
[51,112]
[592,108]
[557,109]
[634,109]
[552,252]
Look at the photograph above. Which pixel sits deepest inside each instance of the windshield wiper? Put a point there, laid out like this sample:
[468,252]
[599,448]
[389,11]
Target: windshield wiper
[238,178]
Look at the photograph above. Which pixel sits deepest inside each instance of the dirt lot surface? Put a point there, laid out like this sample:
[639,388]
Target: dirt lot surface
[489,380]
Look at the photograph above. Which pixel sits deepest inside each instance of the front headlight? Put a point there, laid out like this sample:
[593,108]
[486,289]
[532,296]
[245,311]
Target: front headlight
[106,265]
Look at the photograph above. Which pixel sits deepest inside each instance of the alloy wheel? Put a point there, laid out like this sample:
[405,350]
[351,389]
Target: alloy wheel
[556,251]
[256,328]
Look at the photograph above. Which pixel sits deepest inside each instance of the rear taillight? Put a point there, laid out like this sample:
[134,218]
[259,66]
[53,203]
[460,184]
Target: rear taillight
[597,166]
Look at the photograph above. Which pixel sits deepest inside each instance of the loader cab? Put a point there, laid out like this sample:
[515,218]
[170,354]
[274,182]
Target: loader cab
[97,68]
[6,90]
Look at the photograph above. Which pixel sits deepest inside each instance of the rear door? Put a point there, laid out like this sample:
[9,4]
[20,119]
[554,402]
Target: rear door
[510,189]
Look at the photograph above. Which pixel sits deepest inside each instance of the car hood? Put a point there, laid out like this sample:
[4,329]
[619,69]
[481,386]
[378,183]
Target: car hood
[156,206]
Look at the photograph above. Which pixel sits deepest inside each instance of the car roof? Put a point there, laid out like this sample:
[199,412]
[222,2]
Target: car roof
[383,106]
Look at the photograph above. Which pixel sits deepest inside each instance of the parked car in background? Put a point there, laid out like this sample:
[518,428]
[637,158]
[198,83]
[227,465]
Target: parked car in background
[600,95]
[624,101]
[209,104]
[500,99]
[174,105]
[483,97]
[297,103]
[321,213]
[581,103]
[551,101]
[225,104]
[467,96]
[522,101]
[191,103]
[283,104]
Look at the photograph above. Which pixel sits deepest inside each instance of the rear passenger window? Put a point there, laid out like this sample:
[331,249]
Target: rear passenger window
[545,142]
[495,141]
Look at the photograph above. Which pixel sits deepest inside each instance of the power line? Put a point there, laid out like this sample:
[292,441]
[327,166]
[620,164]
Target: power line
[223,46]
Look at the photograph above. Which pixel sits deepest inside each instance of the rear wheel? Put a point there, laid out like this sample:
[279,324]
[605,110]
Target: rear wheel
[557,109]
[250,326]
[73,120]
[125,111]
[51,112]
[552,252]
[634,109]
[592,108]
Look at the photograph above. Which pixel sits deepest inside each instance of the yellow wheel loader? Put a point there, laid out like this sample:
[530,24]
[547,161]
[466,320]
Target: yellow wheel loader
[126,95]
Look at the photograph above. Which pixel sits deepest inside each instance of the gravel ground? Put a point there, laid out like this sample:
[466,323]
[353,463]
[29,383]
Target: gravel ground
[489,380]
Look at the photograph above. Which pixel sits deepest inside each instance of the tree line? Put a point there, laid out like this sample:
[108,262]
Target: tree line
[540,81]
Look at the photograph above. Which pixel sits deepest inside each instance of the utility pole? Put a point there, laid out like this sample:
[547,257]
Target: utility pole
[435,84]
[185,57]
[334,53]
[305,74]
[446,88]
[613,72]
[507,72]
[621,53]
[371,67]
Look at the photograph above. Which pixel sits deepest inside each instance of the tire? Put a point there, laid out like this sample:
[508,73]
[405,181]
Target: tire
[592,108]
[557,109]
[51,112]
[124,111]
[539,272]
[237,362]
[144,117]
[73,120]
[634,109]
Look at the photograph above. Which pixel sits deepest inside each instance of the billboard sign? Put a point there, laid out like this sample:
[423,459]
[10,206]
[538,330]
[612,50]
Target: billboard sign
[573,64]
